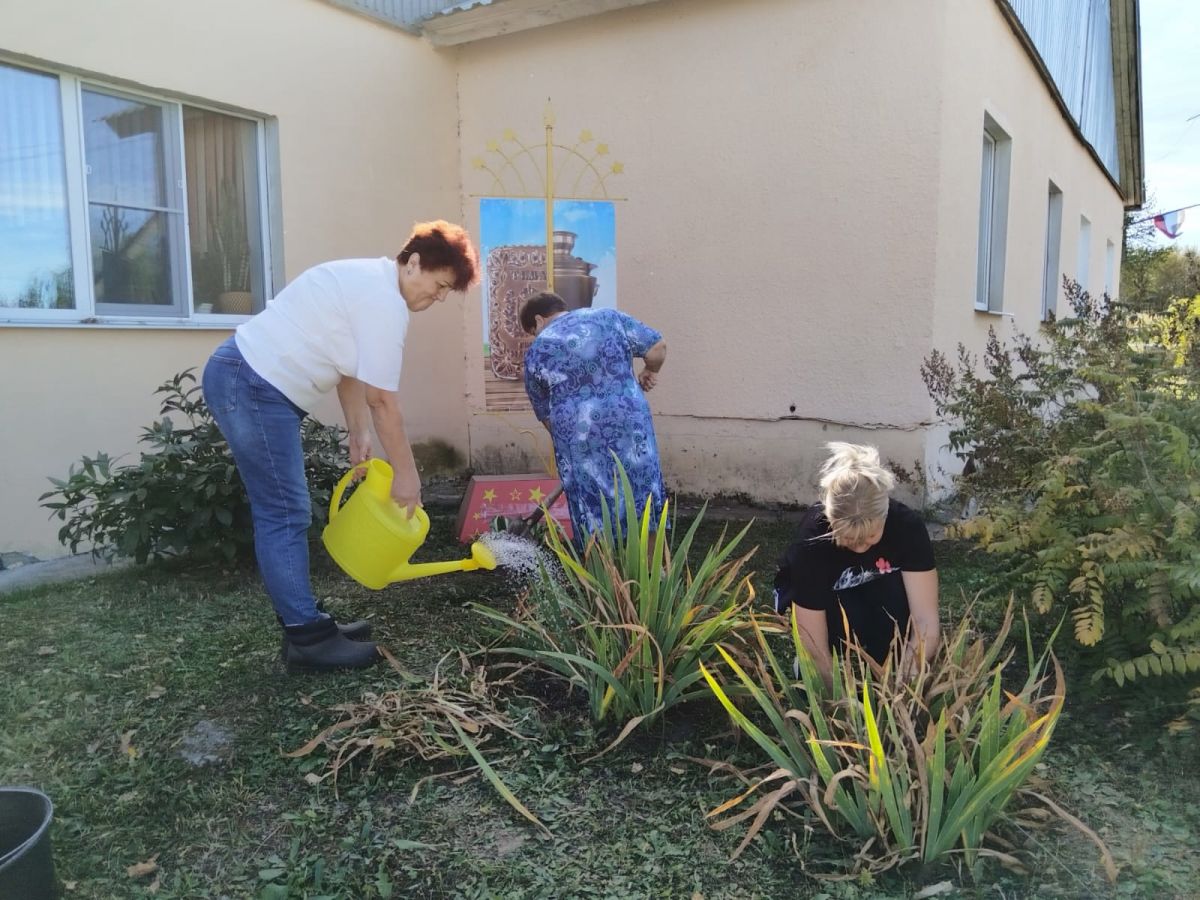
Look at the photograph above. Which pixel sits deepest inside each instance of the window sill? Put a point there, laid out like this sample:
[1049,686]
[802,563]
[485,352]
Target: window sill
[108,323]
[998,313]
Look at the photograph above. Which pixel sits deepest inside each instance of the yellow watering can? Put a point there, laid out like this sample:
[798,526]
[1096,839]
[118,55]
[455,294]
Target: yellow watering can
[372,538]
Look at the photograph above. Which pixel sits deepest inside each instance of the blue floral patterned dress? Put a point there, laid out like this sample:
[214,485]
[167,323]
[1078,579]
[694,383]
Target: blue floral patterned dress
[579,377]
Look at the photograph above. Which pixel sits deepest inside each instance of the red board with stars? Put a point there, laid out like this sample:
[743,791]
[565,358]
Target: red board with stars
[511,496]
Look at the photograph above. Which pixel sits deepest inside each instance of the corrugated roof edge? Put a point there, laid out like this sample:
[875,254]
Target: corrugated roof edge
[406,15]
[452,8]
[1128,100]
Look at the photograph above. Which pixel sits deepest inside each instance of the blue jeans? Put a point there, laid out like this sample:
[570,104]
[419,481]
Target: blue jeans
[262,427]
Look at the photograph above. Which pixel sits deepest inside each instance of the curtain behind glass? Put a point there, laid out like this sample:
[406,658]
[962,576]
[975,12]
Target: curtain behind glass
[221,162]
[35,240]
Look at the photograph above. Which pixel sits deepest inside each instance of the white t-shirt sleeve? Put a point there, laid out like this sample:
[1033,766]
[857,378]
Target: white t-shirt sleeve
[380,346]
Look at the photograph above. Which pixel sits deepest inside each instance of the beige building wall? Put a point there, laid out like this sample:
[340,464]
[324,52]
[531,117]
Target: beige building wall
[802,183]
[984,68]
[781,174]
[366,120]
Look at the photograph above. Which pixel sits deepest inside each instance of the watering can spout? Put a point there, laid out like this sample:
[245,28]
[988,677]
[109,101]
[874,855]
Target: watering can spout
[481,558]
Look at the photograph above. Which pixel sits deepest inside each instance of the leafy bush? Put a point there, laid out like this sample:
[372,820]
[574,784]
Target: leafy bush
[1086,451]
[908,768]
[185,494]
[627,620]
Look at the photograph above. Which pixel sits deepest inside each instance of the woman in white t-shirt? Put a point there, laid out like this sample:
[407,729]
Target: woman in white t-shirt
[338,325]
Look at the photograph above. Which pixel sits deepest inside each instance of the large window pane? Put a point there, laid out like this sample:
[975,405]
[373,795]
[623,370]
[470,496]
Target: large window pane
[993,216]
[224,209]
[125,158]
[1050,271]
[133,207]
[983,264]
[1083,260]
[131,255]
[35,243]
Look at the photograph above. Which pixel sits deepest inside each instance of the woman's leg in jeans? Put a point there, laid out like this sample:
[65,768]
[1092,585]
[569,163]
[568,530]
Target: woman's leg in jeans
[263,430]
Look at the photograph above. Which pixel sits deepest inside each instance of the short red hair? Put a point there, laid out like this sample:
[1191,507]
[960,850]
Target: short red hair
[442,245]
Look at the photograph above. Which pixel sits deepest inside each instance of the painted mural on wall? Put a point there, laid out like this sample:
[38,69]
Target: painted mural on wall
[546,222]
[512,238]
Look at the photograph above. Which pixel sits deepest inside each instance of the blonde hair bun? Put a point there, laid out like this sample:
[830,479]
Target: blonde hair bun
[854,487]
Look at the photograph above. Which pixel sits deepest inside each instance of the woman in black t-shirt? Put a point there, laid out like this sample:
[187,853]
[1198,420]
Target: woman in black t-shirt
[865,554]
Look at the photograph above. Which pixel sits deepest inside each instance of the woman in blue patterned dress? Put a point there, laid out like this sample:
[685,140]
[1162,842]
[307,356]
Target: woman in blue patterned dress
[579,377]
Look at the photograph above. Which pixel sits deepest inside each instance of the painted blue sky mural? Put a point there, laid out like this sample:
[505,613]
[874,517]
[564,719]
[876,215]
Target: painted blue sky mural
[504,222]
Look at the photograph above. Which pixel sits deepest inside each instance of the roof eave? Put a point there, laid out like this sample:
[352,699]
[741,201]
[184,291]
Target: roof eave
[491,18]
[1127,87]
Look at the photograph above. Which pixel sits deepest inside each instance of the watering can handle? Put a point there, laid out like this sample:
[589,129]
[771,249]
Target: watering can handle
[335,502]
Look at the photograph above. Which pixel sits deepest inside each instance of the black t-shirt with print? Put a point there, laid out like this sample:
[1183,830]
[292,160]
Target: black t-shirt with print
[815,573]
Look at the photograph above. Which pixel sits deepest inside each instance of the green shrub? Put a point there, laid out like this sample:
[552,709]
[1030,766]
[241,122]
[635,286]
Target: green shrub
[628,620]
[907,768]
[1086,444]
[185,494]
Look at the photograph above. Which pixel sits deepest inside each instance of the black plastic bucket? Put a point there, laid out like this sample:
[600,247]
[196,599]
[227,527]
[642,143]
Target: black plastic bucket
[26,864]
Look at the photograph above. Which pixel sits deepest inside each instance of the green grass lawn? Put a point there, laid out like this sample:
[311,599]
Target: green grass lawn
[105,680]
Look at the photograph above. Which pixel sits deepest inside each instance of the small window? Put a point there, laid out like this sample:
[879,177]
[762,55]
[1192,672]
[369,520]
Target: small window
[993,217]
[36,268]
[1051,276]
[1085,249]
[1110,263]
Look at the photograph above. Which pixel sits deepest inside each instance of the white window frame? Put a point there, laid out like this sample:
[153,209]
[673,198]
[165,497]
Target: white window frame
[1110,266]
[1051,270]
[995,175]
[182,314]
[1083,257]
[174,174]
